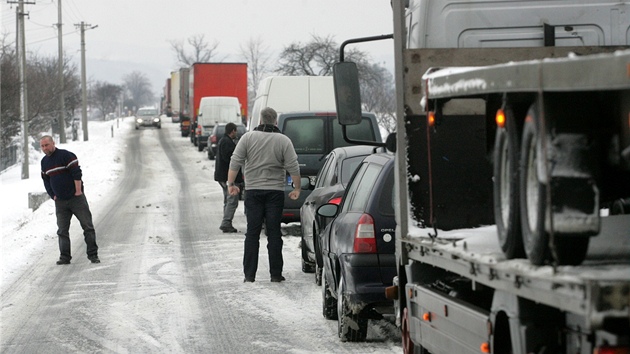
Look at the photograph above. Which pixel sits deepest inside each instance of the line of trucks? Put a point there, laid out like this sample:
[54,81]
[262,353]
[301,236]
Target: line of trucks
[189,88]
[512,174]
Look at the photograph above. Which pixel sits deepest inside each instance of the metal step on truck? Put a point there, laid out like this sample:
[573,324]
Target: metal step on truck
[513,174]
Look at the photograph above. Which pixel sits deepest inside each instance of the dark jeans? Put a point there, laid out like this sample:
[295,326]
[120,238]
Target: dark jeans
[264,205]
[65,209]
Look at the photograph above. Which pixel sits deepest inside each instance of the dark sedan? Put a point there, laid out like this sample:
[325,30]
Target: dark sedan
[330,184]
[217,133]
[358,249]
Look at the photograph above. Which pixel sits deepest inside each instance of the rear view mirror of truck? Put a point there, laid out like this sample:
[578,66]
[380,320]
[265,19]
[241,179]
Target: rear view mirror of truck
[347,93]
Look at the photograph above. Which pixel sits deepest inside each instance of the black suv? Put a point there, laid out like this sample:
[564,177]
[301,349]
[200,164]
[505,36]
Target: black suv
[358,249]
[217,133]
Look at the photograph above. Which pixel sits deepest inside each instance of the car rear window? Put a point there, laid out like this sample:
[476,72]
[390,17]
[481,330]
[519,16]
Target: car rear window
[361,188]
[362,131]
[306,133]
[348,166]
[386,200]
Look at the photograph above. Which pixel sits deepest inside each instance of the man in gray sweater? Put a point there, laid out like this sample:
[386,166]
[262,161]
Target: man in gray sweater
[265,155]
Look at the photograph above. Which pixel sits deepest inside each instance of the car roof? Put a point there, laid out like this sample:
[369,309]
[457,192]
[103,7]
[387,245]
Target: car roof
[353,150]
[315,113]
[381,158]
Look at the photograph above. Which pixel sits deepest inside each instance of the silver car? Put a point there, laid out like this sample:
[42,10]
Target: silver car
[148,117]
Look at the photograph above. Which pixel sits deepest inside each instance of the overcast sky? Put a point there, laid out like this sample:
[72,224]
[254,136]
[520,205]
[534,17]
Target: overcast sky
[135,34]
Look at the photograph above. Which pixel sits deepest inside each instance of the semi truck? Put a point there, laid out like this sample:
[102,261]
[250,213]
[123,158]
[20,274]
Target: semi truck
[215,79]
[512,174]
[179,99]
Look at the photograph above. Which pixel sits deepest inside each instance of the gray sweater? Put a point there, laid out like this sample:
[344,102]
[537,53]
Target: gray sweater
[264,157]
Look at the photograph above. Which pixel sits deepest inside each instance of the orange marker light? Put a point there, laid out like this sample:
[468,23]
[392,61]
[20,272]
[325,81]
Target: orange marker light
[500,118]
[427,316]
[485,347]
[431,119]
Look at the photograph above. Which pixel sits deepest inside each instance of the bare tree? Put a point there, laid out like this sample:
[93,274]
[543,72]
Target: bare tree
[255,54]
[202,51]
[105,96]
[317,57]
[138,88]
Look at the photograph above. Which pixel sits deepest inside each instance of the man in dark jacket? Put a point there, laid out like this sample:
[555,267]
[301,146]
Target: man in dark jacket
[62,179]
[225,148]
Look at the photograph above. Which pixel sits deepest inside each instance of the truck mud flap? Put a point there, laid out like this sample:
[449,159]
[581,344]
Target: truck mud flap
[443,324]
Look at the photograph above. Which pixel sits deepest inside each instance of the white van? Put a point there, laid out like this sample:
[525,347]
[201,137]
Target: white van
[213,110]
[293,93]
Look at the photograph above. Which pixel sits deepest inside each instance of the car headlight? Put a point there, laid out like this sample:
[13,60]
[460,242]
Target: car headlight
[156,120]
[139,120]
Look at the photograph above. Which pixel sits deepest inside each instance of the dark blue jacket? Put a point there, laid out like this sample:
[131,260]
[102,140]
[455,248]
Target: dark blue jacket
[59,171]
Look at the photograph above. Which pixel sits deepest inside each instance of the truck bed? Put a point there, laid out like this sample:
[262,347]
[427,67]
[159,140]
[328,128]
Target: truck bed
[601,285]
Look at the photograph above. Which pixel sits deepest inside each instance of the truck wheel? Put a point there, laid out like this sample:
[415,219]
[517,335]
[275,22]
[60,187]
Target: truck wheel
[506,188]
[569,250]
[329,303]
[351,326]
[199,147]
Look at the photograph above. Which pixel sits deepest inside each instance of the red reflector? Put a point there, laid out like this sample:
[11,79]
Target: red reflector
[213,139]
[612,350]
[336,201]
[364,236]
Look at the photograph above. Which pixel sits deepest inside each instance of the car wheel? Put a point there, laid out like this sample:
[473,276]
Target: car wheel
[329,303]
[199,147]
[137,127]
[210,154]
[569,250]
[307,266]
[506,188]
[351,326]
[318,275]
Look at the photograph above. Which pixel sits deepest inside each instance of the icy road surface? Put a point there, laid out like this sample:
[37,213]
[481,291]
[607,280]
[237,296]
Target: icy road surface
[169,281]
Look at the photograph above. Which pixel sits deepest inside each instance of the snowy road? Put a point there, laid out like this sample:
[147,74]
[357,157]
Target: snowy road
[170,281]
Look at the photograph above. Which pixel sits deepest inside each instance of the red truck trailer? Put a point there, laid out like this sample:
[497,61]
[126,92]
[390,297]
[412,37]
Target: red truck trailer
[216,79]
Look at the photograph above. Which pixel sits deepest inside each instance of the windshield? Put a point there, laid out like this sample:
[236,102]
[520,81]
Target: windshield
[147,112]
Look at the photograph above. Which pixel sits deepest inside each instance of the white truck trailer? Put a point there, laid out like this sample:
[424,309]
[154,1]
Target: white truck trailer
[513,174]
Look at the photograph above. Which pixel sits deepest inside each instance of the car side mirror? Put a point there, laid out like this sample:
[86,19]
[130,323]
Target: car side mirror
[328,210]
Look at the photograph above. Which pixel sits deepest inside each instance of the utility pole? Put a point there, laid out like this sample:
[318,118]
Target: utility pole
[84,120]
[21,50]
[62,109]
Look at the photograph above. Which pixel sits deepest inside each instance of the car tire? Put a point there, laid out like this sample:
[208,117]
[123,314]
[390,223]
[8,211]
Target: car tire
[210,154]
[307,266]
[329,303]
[199,147]
[351,326]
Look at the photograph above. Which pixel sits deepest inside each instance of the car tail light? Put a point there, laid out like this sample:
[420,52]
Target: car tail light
[336,201]
[364,236]
[199,130]
[213,139]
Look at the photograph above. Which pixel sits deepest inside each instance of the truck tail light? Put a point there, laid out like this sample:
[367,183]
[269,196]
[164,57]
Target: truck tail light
[364,236]
[431,118]
[336,201]
[500,118]
[611,350]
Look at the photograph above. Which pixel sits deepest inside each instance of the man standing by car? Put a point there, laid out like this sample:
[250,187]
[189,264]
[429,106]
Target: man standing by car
[266,155]
[62,179]
[225,148]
